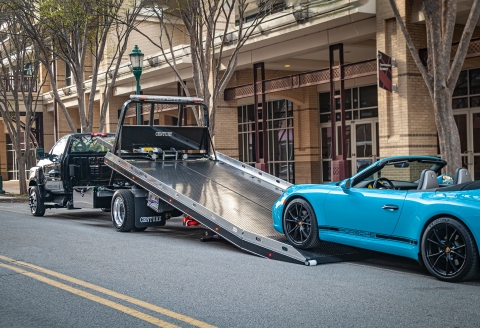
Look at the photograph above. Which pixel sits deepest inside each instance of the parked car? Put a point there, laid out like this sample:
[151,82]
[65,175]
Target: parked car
[397,206]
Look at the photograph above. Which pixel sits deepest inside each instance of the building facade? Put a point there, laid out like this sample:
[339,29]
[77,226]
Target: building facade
[293,50]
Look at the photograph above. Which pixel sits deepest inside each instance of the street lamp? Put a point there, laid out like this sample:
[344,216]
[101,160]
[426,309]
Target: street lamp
[136,59]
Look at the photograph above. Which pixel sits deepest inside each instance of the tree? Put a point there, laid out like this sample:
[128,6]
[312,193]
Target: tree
[20,87]
[441,74]
[216,31]
[78,33]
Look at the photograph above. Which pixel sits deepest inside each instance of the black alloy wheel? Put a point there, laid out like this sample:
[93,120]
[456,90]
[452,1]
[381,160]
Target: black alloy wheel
[37,208]
[449,251]
[300,224]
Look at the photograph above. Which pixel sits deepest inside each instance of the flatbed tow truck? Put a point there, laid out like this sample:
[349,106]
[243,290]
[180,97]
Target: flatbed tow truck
[177,166]
[162,171]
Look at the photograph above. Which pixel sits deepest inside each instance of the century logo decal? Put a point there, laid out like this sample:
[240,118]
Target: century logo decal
[163,134]
[148,219]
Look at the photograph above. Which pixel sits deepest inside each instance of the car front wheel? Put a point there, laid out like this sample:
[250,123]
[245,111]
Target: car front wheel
[449,251]
[37,208]
[300,224]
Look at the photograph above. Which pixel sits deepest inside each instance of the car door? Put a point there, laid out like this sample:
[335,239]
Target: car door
[52,169]
[364,211]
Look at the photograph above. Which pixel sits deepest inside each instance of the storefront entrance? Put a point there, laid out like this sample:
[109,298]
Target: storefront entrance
[468,123]
[361,115]
[362,146]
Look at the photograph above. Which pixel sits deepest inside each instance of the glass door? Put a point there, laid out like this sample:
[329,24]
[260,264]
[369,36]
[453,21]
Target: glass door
[365,146]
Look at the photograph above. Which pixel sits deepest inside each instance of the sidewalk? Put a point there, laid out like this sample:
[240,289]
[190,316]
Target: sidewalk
[11,189]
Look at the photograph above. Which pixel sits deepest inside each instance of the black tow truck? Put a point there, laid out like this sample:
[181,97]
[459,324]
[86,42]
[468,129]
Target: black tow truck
[148,173]
[72,169]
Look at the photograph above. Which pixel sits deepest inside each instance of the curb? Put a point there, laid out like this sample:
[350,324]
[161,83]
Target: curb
[7,199]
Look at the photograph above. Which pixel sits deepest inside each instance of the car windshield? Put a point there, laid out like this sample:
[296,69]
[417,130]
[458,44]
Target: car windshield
[87,144]
[404,170]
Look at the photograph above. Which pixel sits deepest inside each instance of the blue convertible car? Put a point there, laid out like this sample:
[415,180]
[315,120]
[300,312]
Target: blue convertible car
[395,206]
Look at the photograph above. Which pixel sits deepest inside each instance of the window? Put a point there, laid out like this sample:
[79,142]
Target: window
[279,137]
[68,75]
[467,90]
[28,69]
[59,148]
[87,144]
[360,102]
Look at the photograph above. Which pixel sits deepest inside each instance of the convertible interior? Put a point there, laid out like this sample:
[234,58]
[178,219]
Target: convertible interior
[415,175]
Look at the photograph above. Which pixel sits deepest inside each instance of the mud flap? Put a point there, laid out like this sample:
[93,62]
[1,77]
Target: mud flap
[144,215]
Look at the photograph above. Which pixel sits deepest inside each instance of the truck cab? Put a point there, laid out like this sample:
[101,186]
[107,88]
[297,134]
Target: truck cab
[75,160]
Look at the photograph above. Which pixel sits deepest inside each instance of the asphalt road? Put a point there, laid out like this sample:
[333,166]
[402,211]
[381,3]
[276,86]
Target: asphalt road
[72,269]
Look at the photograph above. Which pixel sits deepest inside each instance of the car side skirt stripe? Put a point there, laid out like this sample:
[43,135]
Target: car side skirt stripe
[369,234]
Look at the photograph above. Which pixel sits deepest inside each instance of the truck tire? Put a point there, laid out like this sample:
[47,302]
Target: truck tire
[123,210]
[37,208]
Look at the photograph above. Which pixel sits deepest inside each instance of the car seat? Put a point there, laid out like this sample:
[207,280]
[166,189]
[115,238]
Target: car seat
[461,176]
[428,180]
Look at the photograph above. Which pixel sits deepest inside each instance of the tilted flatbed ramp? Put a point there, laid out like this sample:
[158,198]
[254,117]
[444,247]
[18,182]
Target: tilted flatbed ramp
[230,198]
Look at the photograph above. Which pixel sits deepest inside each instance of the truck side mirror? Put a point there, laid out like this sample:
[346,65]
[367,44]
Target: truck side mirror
[39,153]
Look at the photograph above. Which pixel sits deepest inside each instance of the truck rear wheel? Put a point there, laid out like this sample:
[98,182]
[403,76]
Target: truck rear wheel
[37,208]
[123,210]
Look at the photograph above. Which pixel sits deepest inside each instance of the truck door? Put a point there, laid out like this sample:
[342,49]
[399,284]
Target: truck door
[52,170]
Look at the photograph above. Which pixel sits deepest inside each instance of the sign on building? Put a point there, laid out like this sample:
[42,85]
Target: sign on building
[385,72]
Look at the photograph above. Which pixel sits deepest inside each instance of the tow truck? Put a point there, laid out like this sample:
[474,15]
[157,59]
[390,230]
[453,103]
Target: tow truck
[159,172]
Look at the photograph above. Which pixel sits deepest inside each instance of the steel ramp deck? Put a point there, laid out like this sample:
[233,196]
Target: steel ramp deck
[231,199]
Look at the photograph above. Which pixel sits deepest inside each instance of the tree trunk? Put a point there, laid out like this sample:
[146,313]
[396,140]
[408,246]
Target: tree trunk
[448,136]
[21,160]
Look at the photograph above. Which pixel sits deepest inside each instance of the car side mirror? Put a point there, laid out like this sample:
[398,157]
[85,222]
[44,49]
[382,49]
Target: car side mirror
[39,153]
[346,184]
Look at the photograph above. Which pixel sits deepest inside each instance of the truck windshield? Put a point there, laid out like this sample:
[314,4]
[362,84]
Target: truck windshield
[87,144]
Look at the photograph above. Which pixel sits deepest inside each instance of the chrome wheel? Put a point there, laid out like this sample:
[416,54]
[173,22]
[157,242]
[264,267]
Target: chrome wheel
[118,211]
[297,223]
[33,201]
[445,250]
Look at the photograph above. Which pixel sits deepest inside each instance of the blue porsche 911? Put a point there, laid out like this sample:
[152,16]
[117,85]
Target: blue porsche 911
[397,206]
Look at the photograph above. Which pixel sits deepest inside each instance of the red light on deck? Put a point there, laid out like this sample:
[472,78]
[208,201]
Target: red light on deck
[270,255]
[99,134]
[216,229]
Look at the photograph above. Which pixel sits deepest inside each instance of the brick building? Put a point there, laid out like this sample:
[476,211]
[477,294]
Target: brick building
[293,48]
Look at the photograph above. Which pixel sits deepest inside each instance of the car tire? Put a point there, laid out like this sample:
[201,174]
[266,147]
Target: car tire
[140,229]
[449,251]
[37,208]
[300,224]
[123,210]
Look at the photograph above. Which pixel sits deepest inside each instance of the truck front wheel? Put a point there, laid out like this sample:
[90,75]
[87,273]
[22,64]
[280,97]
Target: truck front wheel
[37,208]
[123,210]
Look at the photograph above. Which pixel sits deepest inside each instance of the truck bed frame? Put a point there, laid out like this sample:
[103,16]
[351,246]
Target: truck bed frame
[230,198]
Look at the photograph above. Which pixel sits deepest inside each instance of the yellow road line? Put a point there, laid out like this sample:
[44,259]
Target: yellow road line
[101,300]
[178,316]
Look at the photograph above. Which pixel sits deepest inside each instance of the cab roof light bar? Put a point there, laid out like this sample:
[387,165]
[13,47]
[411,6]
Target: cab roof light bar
[98,134]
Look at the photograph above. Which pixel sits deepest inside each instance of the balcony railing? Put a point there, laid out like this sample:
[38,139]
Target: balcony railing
[17,83]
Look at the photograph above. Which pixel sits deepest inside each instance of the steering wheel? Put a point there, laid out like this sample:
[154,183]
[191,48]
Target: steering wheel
[383,182]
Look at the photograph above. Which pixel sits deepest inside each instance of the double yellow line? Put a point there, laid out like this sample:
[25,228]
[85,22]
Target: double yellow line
[117,306]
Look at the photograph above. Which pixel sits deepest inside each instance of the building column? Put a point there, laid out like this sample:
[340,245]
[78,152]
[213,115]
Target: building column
[115,104]
[406,118]
[306,137]
[226,128]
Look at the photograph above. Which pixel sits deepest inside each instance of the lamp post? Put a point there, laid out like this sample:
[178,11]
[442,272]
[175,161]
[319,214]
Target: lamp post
[136,59]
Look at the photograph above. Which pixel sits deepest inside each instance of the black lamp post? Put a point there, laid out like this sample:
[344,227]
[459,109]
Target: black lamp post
[136,59]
